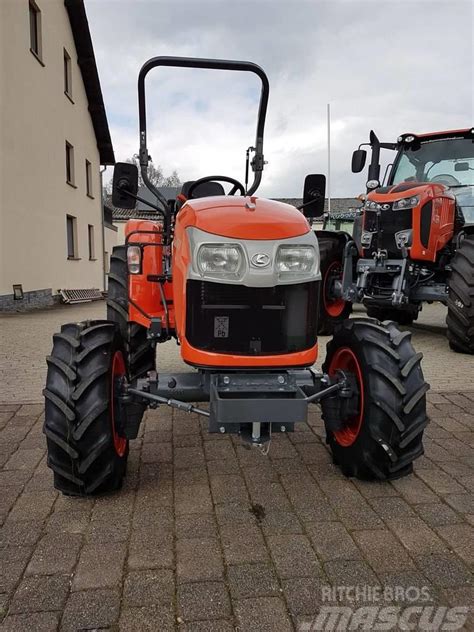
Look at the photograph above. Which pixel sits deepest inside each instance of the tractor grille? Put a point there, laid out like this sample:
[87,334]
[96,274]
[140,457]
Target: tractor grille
[244,320]
[389,223]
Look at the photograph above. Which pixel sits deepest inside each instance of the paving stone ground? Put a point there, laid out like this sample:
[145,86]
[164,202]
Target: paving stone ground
[25,341]
[208,535]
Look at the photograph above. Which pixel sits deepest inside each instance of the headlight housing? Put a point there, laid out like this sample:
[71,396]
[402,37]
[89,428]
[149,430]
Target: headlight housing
[366,238]
[404,238]
[134,259]
[409,202]
[371,205]
[295,260]
[225,261]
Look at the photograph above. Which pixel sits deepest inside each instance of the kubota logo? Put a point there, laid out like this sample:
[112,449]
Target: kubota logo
[260,260]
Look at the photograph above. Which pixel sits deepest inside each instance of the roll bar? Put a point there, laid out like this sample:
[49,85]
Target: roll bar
[210,64]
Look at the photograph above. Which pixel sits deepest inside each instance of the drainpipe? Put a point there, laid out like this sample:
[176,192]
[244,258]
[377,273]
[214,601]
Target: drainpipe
[104,274]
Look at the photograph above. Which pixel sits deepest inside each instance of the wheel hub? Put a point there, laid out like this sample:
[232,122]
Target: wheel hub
[344,412]
[117,377]
[333,304]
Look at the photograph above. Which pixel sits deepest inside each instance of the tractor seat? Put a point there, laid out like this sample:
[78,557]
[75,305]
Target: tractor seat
[203,190]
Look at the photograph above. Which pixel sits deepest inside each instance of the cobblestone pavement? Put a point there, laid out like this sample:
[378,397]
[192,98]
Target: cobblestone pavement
[208,535]
[26,339]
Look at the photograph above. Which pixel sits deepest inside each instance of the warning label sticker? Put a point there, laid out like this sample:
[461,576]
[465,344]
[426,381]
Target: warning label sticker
[221,327]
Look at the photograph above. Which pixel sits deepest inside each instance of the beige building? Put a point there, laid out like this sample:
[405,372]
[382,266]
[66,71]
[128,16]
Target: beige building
[54,137]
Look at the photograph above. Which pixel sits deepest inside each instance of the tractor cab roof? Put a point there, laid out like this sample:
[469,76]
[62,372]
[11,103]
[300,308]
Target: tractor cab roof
[427,136]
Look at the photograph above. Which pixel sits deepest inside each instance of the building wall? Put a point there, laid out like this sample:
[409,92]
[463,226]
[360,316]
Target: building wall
[120,231]
[111,240]
[36,120]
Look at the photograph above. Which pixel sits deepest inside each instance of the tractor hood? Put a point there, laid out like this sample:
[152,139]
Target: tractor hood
[244,217]
[464,195]
[394,192]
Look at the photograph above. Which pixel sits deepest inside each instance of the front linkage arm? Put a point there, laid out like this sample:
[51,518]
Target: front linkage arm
[240,401]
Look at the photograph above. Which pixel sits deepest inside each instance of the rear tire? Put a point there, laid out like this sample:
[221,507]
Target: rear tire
[331,311]
[85,451]
[385,437]
[460,319]
[140,352]
[401,316]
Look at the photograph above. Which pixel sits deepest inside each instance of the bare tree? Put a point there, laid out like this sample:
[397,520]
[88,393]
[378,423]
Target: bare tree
[155,174]
[173,180]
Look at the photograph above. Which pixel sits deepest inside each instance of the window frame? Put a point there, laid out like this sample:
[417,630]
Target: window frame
[89,188]
[36,41]
[67,74]
[71,238]
[91,241]
[70,172]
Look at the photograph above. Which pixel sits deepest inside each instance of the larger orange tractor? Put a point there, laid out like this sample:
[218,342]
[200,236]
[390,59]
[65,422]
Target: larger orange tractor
[234,279]
[414,240]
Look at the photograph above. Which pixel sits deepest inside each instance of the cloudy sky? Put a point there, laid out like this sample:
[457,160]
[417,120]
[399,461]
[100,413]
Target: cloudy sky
[391,65]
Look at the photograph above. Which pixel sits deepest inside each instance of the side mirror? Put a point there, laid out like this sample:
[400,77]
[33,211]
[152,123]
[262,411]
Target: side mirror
[358,160]
[313,195]
[124,185]
[461,166]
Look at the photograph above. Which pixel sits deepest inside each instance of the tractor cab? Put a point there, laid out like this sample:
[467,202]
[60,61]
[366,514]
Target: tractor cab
[439,158]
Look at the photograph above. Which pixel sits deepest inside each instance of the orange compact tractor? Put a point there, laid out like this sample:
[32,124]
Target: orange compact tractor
[234,279]
[414,241]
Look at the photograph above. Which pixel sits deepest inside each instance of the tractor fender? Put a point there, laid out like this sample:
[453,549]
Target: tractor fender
[342,238]
[339,237]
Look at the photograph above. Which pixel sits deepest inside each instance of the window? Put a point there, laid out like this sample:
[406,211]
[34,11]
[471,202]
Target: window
[71,231]
[35,29]
[89,178]
[69,164]
[449,161]
[406,170]
[90,232]
[67,75]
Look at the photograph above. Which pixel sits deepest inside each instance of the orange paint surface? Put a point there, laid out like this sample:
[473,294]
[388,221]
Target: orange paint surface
[243,217]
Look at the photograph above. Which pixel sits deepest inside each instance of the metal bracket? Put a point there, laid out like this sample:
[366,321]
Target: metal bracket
[349,287]
[155,330]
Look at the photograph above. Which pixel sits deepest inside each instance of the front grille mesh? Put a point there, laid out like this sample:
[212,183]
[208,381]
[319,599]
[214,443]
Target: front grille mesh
[251,321]
[389,223]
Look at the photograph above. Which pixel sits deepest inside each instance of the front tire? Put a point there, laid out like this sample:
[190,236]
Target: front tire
[139,351]
[332,311]
[460,319]
[85,450]
[385,436]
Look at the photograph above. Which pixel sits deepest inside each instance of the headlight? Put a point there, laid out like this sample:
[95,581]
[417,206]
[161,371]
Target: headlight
[373,206]
[222,260]
[134,259]
[410,202]
[366,239]
[404,238]
[292,260]
[372,184]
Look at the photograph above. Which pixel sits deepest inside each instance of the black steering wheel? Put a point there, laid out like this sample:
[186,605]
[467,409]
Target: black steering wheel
[237,185]
[446,179]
